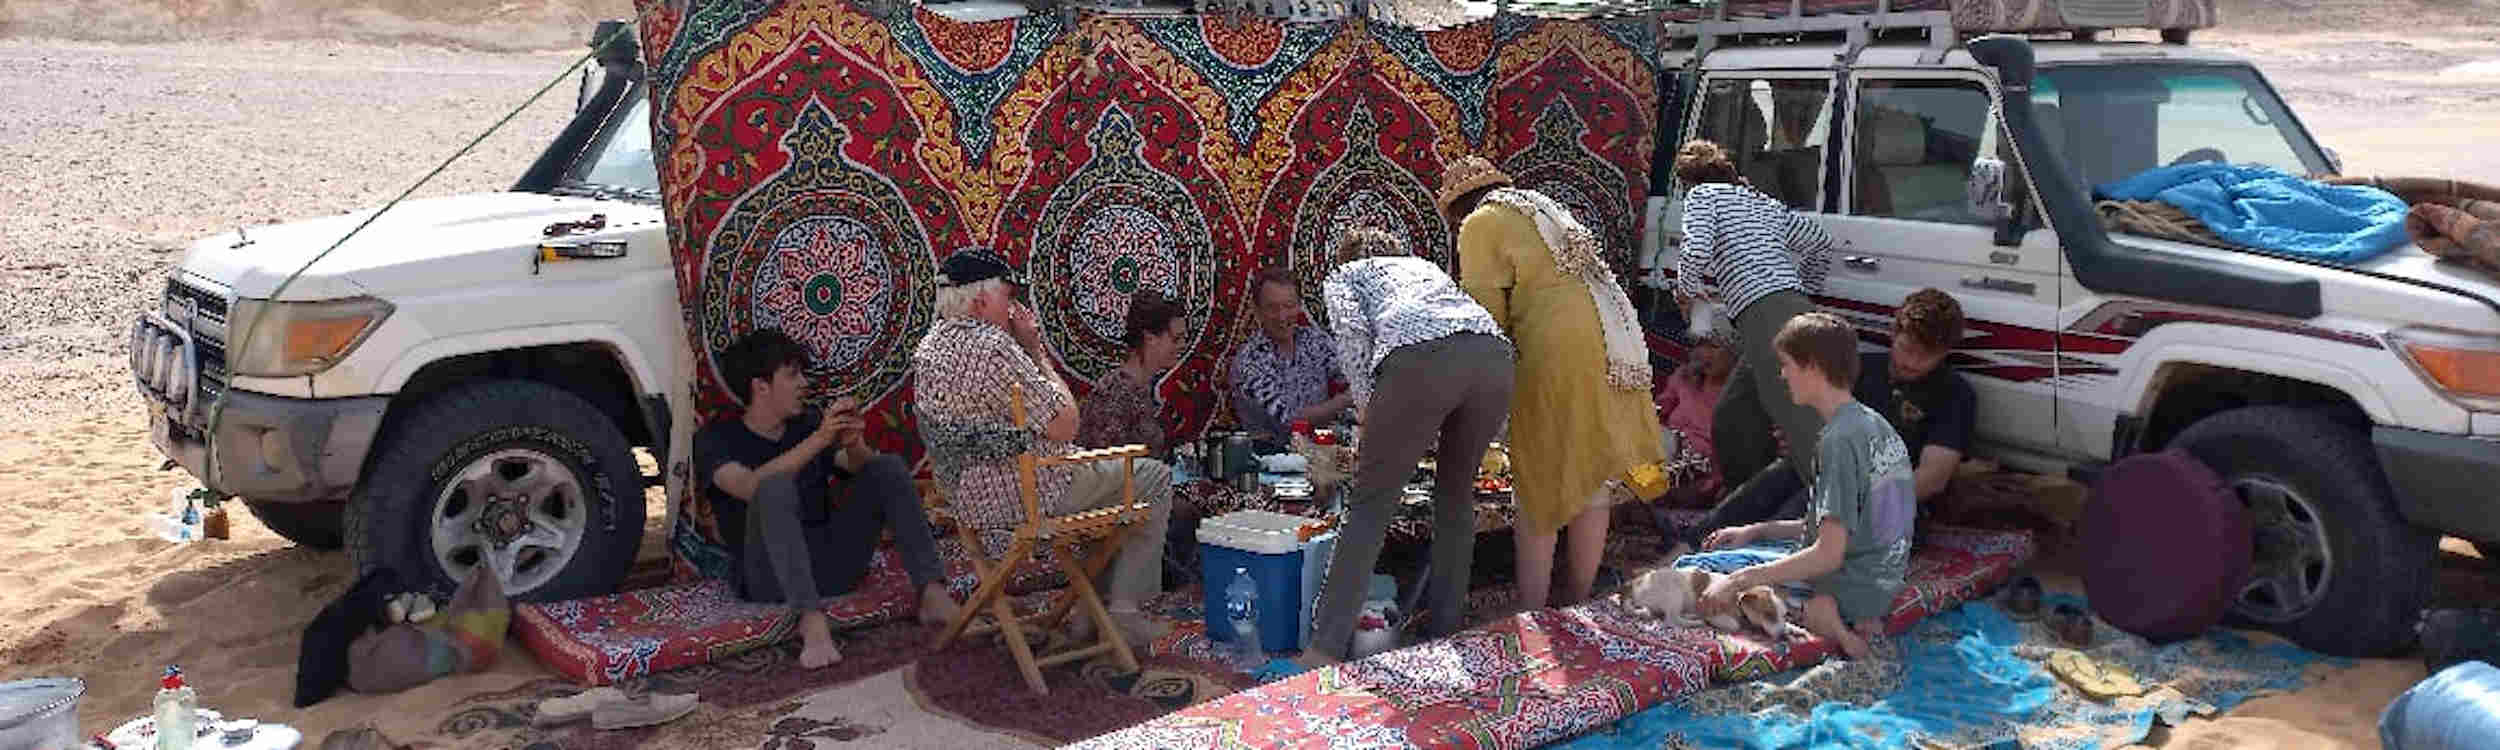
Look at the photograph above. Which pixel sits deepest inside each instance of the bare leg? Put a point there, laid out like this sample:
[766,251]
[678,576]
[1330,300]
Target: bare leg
[816,633]
[1823,619]
[1536,568]
[1585,542]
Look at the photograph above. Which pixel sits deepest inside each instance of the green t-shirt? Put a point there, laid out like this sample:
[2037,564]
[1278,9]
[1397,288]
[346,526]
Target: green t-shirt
[1863,480]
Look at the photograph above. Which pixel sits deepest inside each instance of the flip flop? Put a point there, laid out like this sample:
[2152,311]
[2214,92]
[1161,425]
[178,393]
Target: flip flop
[2096,679]
[2022,599]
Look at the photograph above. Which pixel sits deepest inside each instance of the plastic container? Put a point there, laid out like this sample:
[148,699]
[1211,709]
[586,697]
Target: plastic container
[1241,608]
[40,714]
[1286,567]
[2457,709]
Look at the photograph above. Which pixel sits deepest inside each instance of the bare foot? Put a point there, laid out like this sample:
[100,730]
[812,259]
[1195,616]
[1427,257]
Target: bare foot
[819,653]
[1852,645]
[937,605]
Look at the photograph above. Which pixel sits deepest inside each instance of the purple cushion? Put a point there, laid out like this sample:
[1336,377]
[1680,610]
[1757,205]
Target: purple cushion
[2165,546]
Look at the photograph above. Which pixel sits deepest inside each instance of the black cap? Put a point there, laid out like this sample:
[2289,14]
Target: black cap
[974,264]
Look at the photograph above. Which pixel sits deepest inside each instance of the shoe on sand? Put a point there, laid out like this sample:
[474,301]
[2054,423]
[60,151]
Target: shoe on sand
[576,707]
[645,711]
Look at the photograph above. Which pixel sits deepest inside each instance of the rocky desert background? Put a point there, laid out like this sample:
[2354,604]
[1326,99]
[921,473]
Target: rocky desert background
[130,127]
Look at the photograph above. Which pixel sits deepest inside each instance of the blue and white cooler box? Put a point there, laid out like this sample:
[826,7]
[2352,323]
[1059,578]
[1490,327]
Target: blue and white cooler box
[1286,569]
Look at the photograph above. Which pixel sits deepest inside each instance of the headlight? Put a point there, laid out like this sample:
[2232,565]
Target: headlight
[2465,365]
[280,339]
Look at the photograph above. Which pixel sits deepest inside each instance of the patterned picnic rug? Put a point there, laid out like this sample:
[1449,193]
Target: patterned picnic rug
[818,162]
[1970,677]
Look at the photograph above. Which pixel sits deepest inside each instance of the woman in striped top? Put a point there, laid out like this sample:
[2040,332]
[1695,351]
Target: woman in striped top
[1766,259]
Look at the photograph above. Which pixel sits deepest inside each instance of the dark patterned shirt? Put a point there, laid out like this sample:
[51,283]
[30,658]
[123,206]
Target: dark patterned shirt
[1269,387]
[1121,410]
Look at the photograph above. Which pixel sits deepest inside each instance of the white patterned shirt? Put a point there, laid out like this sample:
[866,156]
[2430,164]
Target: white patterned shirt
[1379,304]
[1751,243]
[960,375]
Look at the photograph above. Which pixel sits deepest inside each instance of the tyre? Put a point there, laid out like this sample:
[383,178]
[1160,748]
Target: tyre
[2335,567]
[315,525]
[527,479]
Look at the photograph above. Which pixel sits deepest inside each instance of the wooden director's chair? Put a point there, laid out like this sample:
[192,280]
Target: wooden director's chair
[1082,543]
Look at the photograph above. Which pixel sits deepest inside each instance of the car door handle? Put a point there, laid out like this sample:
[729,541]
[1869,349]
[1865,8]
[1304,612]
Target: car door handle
[1862,263]
[1992,283]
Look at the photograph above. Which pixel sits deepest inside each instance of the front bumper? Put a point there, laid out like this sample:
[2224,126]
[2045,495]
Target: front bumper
[2442,481]
[267,448]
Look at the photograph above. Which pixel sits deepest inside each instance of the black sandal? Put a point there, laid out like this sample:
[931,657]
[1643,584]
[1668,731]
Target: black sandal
[2023,598]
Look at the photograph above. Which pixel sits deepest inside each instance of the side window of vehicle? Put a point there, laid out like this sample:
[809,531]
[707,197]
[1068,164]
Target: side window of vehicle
[1917,141]
[1775,130]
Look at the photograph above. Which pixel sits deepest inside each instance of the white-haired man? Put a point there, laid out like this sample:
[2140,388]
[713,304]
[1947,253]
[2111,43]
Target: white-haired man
[983,341]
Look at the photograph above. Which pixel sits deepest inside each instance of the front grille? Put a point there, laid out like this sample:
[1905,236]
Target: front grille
[210,317]
[208,338]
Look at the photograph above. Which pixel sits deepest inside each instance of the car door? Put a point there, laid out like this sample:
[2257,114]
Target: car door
[1774,124]
[1907,220]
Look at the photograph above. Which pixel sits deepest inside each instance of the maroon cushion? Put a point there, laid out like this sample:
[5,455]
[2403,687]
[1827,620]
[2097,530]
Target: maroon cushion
[2165,546]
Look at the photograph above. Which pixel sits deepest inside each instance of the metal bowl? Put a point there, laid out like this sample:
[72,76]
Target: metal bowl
[40,714]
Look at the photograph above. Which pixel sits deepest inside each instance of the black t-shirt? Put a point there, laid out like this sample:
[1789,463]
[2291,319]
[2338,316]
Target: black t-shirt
[1935,410]
[728,441]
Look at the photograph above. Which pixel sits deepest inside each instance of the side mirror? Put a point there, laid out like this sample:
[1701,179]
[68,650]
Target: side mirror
[1986,189]
[2334,161]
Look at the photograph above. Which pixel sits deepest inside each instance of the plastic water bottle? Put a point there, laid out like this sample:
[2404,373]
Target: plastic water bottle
[1241,605]
[177,712]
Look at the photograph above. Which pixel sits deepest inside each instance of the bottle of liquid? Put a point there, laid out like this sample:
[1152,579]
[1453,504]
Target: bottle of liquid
[1241,605]
[177,712]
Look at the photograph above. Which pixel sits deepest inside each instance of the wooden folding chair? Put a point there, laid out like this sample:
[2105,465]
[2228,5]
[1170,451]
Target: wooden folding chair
[1082,543]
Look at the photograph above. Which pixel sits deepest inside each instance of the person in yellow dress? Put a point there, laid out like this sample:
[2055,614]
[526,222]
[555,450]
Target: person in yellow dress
[1580,411]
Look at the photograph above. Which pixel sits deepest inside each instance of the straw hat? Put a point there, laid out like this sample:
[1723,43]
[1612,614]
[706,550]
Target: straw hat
[1466,175]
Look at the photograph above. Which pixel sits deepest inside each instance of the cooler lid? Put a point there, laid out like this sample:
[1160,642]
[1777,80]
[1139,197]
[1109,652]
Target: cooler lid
[1258,531]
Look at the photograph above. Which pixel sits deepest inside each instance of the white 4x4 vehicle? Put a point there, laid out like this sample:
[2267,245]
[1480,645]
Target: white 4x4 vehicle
[2354,408]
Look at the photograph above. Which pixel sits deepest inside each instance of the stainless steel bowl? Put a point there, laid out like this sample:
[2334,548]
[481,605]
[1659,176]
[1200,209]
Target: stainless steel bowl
[40,714]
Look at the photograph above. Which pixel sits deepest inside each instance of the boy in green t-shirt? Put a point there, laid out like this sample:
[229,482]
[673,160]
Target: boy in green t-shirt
[1857,531]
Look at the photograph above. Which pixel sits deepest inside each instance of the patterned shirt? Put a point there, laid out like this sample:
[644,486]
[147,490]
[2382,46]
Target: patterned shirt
[1379,304]
[1751,243]
[1269,387]
[960,375]
[1121,410]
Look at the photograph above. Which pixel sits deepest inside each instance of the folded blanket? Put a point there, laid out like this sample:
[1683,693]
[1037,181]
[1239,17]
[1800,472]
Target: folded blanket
[2260,207]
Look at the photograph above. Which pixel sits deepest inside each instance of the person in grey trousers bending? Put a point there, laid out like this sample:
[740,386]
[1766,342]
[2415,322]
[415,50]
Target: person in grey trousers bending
[1427,368]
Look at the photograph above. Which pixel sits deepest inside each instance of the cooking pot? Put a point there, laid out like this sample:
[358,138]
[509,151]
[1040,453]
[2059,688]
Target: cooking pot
[40,714]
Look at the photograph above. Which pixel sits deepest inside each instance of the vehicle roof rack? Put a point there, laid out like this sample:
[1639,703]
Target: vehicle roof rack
[1716,23]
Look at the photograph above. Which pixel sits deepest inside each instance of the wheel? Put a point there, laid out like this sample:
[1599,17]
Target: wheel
[527,479]
[2334,566]
[314,525]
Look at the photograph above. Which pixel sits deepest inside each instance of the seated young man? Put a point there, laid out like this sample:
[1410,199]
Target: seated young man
[1857,529]
[801,499]
[1928,404]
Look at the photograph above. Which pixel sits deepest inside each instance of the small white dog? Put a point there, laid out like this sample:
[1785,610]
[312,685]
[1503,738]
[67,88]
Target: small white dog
[1675,595]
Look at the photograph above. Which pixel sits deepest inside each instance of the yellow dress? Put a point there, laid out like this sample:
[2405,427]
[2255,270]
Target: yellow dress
[1570,431]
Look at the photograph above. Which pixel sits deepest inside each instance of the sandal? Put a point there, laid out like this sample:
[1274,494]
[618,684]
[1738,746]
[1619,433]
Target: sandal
[2023,598]
[2072,625]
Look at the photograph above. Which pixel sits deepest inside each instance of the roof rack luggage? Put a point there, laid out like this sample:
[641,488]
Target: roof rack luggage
[1711,22]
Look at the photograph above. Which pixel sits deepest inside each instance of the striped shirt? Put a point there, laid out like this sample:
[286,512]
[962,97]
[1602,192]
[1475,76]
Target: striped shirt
[1751,244]
[1379,304]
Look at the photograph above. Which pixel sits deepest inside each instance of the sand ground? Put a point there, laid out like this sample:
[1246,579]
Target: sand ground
[157,123]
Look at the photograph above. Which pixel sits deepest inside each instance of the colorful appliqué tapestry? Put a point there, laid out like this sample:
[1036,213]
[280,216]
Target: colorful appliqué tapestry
[818,162]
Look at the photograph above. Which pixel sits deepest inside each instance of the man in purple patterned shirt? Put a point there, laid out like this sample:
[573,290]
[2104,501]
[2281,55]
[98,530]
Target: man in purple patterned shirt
[1287,371]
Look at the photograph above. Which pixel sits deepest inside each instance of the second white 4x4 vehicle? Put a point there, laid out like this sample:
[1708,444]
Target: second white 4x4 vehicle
[463,383]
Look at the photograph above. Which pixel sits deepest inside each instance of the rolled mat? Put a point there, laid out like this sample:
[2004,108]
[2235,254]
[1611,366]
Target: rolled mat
[2456,234]
[2457,709]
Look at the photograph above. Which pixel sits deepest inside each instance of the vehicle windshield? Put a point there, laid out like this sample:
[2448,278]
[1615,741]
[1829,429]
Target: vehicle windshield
[2113,121]
[619,163]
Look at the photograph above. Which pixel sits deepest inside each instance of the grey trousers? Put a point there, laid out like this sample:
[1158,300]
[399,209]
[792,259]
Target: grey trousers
[1137,573]
[803,564]
[1450,394]
[1756,398]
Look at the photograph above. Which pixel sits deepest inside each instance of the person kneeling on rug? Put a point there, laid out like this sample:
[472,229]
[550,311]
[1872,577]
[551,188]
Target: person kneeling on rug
[1857,528]
[983,342]
[802,500]
[1429,368]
